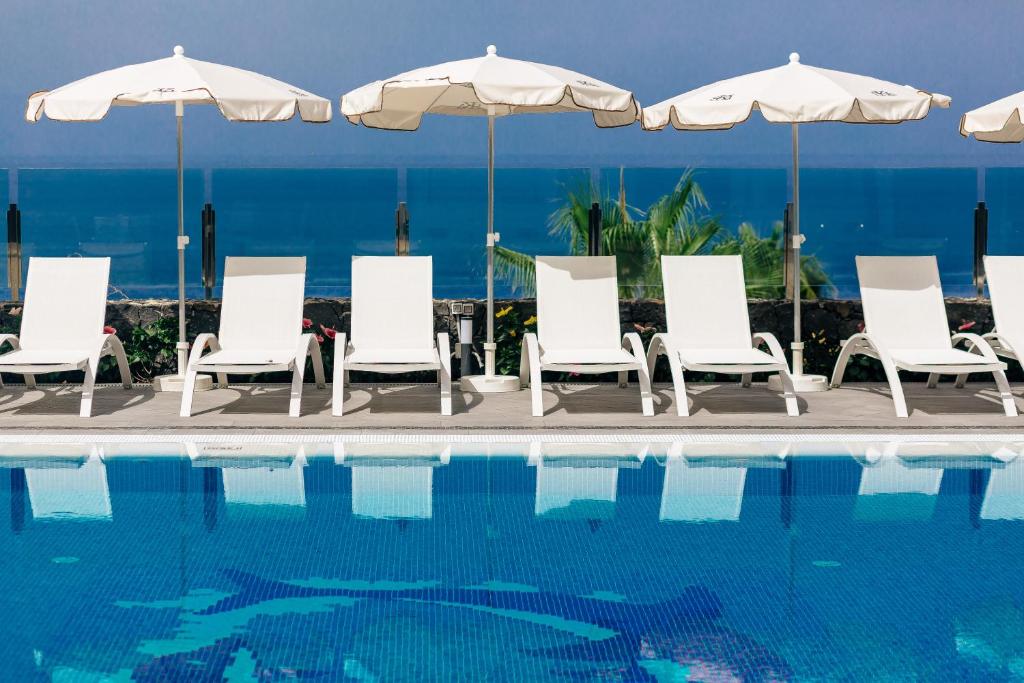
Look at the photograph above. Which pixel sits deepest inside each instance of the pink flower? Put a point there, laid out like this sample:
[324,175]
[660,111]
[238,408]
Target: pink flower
[329,332]
[107,329]
[860,327]
[319,339]
[966,326]
[306,323]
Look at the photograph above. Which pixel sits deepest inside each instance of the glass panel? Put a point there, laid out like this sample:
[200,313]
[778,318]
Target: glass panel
[326,215]
[129,215]
[756,197]
[448,219]
[1005,210]
[913,211]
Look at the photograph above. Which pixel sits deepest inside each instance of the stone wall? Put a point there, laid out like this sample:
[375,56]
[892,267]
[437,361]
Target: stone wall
[825,323]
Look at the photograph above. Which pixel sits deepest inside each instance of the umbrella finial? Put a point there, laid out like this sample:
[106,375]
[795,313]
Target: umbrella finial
[179,51]
[491,50]
[794,57]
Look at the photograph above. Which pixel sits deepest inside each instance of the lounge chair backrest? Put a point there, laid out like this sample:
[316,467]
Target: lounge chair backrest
[65,303]
[1005,275]
[392,302]
[706,301]
[262,302]
[903,304]
[577,302]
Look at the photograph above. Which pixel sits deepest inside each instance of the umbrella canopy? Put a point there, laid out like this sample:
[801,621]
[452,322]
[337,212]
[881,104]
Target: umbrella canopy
[795,93]
[179,80]
[486,86]
[999,121]
[490,86]
[239,94]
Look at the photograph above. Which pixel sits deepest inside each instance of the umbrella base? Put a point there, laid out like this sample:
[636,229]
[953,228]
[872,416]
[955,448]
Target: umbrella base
[802,384]
[174,383]
[489,384]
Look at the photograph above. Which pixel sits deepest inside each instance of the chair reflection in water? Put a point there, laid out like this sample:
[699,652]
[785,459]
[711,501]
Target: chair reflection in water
[900,481]
[1004,495]
[580,480]
[256,477]
[63,482]
[392,481]
[704,481]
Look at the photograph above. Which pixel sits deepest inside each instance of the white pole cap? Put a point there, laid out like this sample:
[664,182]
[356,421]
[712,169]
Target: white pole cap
[794,56]
[491,50]
[179,51]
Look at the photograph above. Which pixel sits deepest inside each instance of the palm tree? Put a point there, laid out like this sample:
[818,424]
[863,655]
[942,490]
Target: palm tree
[675,224]
[763,267]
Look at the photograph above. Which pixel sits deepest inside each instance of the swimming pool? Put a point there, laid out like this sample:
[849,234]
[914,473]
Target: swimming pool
[560,561]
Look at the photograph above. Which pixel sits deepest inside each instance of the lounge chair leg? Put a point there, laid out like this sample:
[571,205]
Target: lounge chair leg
[623,379]
[222,380]
[896,387]
[187,391]
[295,398]
[840,369]
[745,380]
[531,357]
[340,376]
[961,381]
[30,381]
[789,393]
[88,388]
[444,373]
[933,380]
[1009,405]
[318,366]
[646,397]
[122,362]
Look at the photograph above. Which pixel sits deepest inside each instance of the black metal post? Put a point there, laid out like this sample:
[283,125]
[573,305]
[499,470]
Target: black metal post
[594,230]
[980,247]
[787,241]
[14,251]
[209,223]
[402,230]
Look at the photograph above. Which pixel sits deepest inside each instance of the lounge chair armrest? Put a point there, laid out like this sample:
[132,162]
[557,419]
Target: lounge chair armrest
[774,347]
[11,339]
[977,344]
[865,339]
[202,342]
[661,343]
[631,342]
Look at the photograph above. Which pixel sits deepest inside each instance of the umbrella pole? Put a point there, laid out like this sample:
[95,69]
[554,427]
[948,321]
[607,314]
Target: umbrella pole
[179,112]
[489,382]
[490,347]
[798,346]
[801,383]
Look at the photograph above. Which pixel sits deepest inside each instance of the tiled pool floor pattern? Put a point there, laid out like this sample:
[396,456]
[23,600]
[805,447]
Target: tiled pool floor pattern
[855,406]
[504,569]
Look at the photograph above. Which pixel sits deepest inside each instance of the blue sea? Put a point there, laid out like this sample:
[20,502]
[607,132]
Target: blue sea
[329,214]
[601,562]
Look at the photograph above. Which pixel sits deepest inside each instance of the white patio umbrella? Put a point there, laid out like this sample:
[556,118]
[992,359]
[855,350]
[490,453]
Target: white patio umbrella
[490,86]
[795,93]
[998,121]
[178,80]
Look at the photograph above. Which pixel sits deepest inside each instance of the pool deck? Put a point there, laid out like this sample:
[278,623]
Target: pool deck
[568,408]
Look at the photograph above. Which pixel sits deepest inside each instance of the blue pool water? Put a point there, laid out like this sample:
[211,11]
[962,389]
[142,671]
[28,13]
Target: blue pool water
[329,214]
[354,562]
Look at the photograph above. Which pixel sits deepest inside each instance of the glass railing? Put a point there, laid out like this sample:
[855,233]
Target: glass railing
[330,214]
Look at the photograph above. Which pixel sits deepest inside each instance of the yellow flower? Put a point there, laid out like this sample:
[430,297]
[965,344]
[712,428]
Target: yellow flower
[531,320]
[503,312]
[511,333]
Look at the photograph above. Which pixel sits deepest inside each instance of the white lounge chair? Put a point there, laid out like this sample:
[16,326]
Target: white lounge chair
[1005,276]
[709,327]
[578,328]
[62,324]
[906,329]
[260,328]
[392,325]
